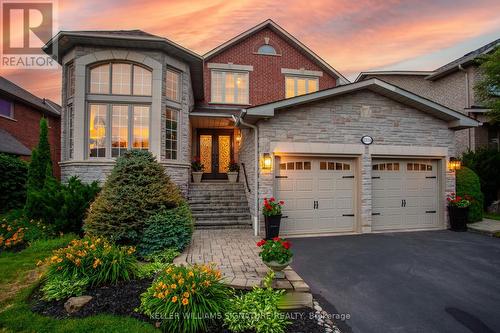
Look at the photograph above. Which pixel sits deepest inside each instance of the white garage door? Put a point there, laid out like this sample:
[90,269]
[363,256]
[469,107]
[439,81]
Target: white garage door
[405,194]
[318,194]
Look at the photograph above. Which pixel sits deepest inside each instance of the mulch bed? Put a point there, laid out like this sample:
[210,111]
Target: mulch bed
[123,298]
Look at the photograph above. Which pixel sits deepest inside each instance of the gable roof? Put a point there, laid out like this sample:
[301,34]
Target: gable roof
[287,36]
[466,59]
[10,145]
[17,93]
[66,40]
[456,120]
[363,75]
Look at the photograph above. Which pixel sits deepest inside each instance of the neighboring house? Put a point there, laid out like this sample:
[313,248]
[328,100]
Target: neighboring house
[451,85]
[267,101]
[20,114]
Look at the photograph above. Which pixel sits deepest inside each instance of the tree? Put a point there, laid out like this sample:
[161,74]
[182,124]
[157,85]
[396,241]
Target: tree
[136,189]
[488,89]
[39,169]
[468,184]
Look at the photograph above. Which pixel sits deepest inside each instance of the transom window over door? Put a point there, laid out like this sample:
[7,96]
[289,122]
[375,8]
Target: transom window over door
[120,79]
[229,87]
[297,85]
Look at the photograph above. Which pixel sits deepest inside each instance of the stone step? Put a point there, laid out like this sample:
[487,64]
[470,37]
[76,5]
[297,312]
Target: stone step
[223,226]
[216,197]
[197,202]
[211,216]
[218,209]
[217,192]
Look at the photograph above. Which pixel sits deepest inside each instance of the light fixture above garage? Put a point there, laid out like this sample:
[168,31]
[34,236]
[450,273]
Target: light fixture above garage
[366,140]
[267,162]
[454,164]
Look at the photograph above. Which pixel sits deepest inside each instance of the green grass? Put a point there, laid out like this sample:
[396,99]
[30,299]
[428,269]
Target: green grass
[491,216]
[19,276]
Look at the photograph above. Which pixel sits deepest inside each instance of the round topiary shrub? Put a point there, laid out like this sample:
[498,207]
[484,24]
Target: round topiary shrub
[137,188]
[167,229]
[468,184]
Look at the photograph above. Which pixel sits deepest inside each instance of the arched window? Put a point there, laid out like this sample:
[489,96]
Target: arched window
[266,49]
[120,79]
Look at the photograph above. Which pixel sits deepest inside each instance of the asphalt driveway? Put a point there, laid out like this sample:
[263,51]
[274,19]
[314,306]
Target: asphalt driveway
[438,281]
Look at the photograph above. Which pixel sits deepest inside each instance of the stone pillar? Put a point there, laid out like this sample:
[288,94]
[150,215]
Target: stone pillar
[366,191]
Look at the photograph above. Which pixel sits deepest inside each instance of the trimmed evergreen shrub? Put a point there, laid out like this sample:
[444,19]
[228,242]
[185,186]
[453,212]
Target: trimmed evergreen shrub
[13,172]
[468,184]
[137,188]
[39,168]
[486,164]
[167,229]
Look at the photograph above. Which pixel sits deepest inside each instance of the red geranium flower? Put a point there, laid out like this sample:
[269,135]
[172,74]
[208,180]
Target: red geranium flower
[261,242]
[272,199]
[286,245]
[282,202]
[276,239]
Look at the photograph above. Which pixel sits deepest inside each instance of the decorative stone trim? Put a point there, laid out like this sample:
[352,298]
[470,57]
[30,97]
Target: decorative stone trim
[230,66]
[301,72]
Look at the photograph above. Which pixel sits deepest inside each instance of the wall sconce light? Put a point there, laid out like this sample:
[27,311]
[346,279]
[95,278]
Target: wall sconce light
[267,162]
[454,164]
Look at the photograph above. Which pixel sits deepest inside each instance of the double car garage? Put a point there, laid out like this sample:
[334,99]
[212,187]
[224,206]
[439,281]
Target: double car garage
[322,194]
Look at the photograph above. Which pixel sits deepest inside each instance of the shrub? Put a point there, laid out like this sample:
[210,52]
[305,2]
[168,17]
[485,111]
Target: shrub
[39,168]
[13,172]
[167,229]
[16,230]
[157,262]
[96,259]
[188,298]
[63,205]
[257,311]
[468,183]
[58,288]
[486,164]
[136,189]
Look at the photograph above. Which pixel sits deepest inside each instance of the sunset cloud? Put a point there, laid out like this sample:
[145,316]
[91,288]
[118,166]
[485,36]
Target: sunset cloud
[352,36]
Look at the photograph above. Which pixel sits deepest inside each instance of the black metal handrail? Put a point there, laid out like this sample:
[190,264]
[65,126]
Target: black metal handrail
[246,179]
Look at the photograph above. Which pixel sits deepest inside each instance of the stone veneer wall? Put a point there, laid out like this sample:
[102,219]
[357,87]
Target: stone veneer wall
[344,120]
[247,155]
[89,170]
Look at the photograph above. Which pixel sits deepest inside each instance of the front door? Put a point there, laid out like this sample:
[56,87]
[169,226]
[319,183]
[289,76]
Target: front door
[215,148]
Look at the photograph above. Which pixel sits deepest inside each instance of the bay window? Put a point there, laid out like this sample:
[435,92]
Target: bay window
[115,128]
[120,79]
[300,85]
[229,87]
[173,85]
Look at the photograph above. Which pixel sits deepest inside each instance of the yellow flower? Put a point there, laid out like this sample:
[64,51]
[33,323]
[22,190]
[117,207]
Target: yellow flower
[77,262]
[97,262]
[161,295]
[174,299]
[181,282]
[173,286]
[168,270]
[185,301]
[131,250]
[191,274]
[39,263]
[186,294]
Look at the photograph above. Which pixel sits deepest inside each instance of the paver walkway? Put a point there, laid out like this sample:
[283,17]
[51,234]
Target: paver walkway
[486,226]
[234,251]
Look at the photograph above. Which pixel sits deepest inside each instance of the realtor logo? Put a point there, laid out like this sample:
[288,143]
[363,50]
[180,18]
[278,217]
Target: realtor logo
[26,26]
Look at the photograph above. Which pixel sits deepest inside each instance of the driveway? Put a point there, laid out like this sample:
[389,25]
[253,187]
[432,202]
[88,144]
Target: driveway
[438,281]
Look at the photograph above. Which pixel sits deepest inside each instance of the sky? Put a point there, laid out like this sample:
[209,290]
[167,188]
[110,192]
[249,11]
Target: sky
[351,35]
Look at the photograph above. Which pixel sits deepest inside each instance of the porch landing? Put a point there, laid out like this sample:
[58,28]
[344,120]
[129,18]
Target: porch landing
[236,254]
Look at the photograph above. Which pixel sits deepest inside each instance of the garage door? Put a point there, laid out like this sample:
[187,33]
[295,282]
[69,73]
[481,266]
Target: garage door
[318,194]
[405,194]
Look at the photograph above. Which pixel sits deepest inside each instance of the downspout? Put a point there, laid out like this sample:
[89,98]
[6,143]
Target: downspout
[467,99]
[238,121]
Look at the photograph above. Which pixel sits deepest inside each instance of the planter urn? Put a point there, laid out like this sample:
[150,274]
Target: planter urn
[197,176]
[272,224]
[232,176]
[277,268]
[458,218]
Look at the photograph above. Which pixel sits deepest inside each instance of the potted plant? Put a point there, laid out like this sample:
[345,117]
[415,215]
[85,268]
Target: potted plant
[276,255]
[458,210]
[272,217]
[232,173]
[197,169]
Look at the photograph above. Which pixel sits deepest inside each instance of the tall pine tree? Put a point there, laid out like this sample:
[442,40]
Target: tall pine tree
[39,169]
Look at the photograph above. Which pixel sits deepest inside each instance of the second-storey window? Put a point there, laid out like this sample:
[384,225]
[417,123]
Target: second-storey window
[114,128]
[120,79]
[229,87]
[6,108]
[70,80]
[173,85]
[298,85]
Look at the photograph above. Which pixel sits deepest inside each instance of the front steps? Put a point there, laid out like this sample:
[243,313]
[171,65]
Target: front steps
[219,205]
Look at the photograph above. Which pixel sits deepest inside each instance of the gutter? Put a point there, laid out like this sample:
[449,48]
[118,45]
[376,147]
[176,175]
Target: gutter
[50,106]
[467,98]
[238,122]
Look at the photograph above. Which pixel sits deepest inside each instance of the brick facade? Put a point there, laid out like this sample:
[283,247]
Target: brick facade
[25,127]
[267,83]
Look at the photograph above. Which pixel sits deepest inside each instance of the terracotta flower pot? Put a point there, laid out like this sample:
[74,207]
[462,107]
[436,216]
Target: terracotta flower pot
[278,268]
[197,176]
[272,224]
[232,176]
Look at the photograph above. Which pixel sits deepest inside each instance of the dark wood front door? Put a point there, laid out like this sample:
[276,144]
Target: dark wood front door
[215,148]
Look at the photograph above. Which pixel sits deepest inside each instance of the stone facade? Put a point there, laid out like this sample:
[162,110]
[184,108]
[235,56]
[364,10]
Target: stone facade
[96,169]
[247,156]
[344,120]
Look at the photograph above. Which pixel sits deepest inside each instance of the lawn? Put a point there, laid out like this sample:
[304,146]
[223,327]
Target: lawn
[19,276]
[491,216]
